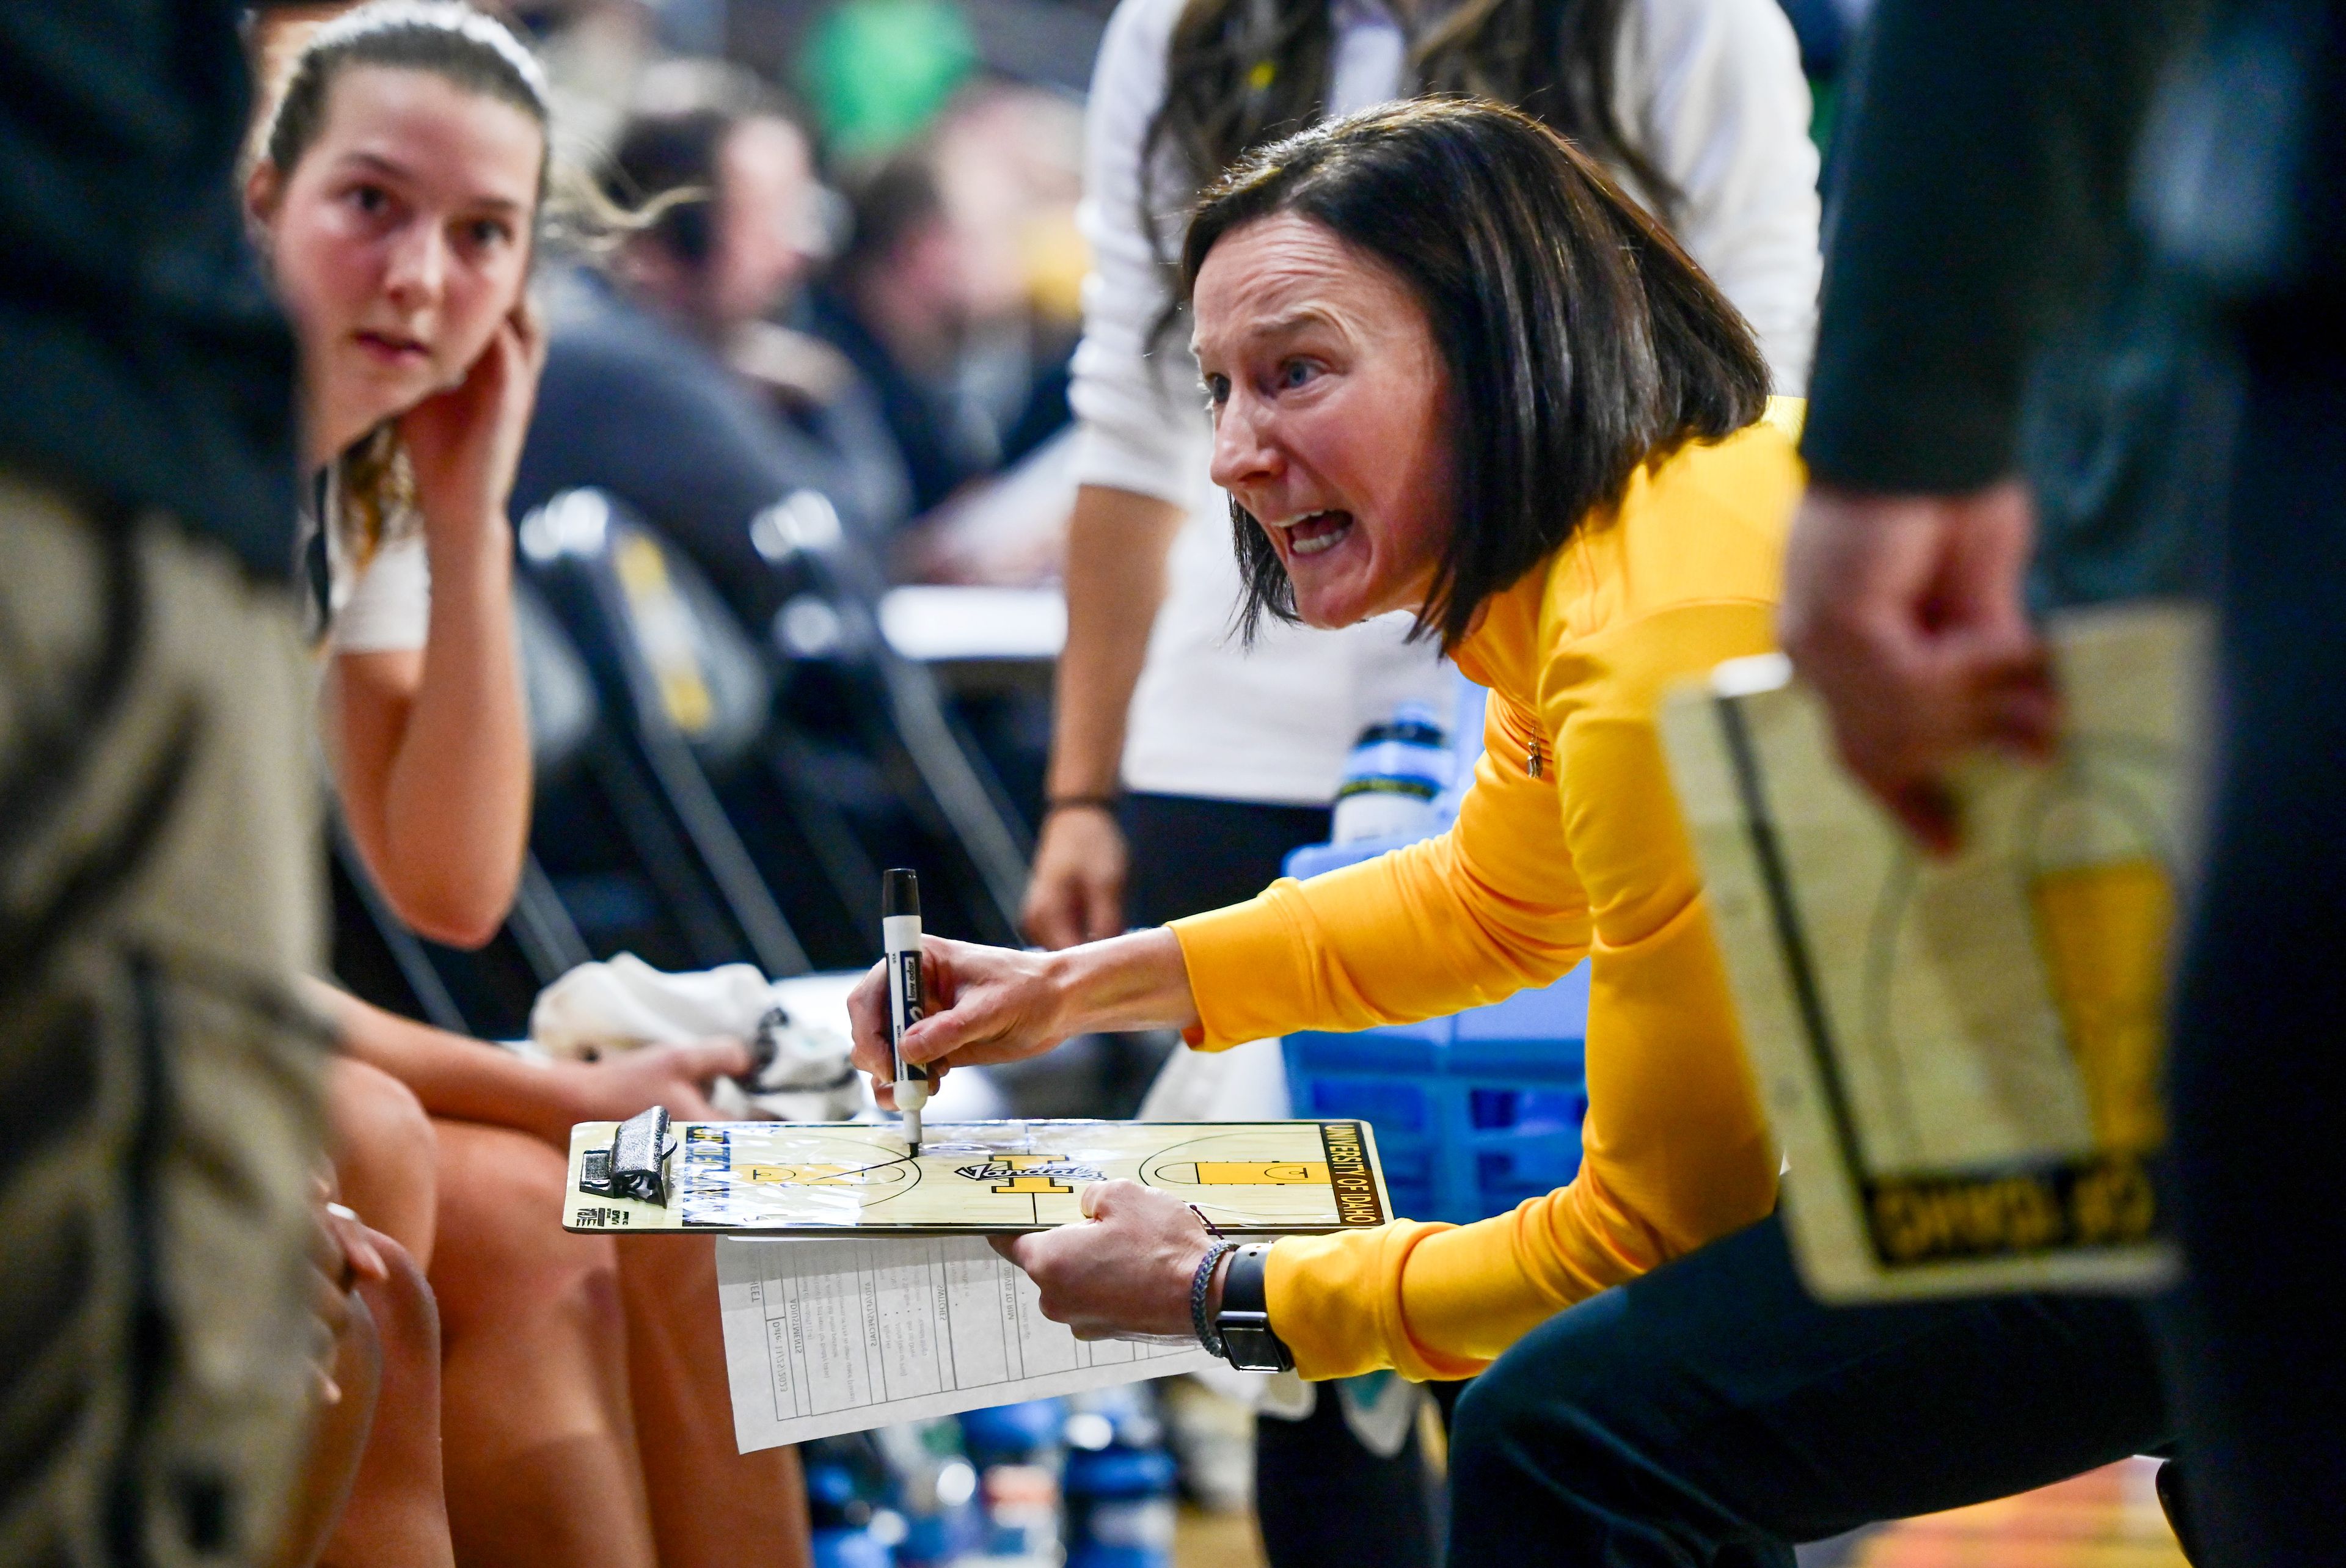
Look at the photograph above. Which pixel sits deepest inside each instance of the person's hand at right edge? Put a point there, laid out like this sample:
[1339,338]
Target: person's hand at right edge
[1905,613]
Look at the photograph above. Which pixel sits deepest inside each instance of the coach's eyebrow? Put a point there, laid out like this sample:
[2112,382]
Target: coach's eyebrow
[1283,325]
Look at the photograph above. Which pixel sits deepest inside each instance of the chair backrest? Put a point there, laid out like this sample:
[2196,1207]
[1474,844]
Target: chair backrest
[675,645]
[684,684]
[564,708]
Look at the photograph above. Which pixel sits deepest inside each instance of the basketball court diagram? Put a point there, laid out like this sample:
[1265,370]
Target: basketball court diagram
[783,1178]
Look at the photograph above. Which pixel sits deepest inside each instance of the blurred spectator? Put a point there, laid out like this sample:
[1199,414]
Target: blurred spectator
[666,384]
[1009,165]
[935,308]
[895,304]
[741,227]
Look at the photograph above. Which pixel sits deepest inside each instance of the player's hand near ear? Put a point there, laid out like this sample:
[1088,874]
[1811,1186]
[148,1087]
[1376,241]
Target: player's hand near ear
[1126,1269]
[465,442]
[999,1004]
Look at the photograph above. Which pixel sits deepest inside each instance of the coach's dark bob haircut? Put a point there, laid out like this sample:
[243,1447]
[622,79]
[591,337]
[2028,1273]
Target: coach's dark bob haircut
[1581,342]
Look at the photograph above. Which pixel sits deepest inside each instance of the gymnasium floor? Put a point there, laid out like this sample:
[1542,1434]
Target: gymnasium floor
[2109,1519]
[2106,1519]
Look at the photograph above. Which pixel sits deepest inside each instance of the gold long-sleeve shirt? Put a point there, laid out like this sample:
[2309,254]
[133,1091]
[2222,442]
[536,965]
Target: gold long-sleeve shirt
[1569,843]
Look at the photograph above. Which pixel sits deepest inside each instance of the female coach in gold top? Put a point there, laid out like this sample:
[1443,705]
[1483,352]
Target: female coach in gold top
[1452,369]
[1519,411]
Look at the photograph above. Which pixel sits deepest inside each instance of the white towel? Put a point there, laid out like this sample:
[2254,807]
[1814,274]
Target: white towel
[803,1076]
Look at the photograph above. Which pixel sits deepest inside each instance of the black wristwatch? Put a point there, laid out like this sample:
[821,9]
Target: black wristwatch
[1242,1322]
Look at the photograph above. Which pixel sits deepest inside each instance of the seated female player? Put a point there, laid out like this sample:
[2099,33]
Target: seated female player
[397,200]
[1452,370]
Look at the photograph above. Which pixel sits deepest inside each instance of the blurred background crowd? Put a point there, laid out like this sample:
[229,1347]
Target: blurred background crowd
[864,305]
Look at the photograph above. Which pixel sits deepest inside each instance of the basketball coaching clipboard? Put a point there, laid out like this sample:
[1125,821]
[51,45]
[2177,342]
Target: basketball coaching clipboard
[829,1179]
[1960,1057]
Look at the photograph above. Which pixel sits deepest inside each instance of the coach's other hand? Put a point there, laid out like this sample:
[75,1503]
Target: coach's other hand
[1124,1270]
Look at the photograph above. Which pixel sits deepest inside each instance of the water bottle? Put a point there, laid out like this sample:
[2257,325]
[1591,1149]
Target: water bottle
[1391,777]
[935,1491]
[1018,1455]
[840,1517]
[1119,1482]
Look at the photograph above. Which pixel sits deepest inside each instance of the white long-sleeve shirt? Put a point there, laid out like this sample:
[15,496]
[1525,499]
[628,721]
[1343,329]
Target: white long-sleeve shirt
[1710,90]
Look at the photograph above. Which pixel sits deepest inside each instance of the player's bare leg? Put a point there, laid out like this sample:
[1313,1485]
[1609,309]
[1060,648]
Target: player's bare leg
[712,1506]
[337,1437]
[541,1456]
[385,1154]
[397,1513]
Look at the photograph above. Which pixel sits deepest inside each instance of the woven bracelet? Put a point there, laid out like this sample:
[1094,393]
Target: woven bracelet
[1200,1284]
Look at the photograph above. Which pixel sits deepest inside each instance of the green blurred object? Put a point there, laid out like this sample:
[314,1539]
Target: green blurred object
[877,71]
[1824,99]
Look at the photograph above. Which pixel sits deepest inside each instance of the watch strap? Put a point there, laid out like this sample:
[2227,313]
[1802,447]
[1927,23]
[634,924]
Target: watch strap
[1243,1323]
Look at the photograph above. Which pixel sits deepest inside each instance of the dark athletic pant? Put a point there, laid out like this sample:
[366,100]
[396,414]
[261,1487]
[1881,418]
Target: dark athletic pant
[2257,1084]
[1321,1497]
[1711,1413]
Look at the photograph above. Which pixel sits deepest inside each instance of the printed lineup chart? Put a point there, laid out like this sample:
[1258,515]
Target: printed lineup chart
[824,1337]
[791,1178]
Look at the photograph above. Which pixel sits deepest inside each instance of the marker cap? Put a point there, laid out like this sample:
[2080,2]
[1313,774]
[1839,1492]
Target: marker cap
[900,894]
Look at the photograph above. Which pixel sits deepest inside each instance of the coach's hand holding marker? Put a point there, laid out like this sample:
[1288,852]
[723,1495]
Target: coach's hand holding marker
[1142,1264]
[988,1004]
[899,937]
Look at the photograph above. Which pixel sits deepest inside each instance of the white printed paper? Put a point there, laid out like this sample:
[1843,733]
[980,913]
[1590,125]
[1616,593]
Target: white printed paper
[838,1335]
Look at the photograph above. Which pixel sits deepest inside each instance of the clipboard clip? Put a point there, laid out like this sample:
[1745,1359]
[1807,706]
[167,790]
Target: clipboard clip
[636,1164]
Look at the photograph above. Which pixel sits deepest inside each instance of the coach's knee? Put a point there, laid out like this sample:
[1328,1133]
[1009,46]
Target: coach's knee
[1545,1407]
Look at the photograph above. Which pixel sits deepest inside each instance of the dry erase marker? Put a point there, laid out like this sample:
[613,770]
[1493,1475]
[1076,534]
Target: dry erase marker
[900,935]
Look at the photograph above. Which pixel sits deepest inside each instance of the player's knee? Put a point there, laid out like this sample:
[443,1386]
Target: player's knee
[537,1178]
[381,1129]
[501,1201]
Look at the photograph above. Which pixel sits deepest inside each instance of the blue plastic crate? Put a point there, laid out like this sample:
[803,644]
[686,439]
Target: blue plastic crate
[1472,1114]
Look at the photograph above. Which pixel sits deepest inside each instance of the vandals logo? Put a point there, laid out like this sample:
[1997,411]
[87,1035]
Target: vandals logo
[1030,1172]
